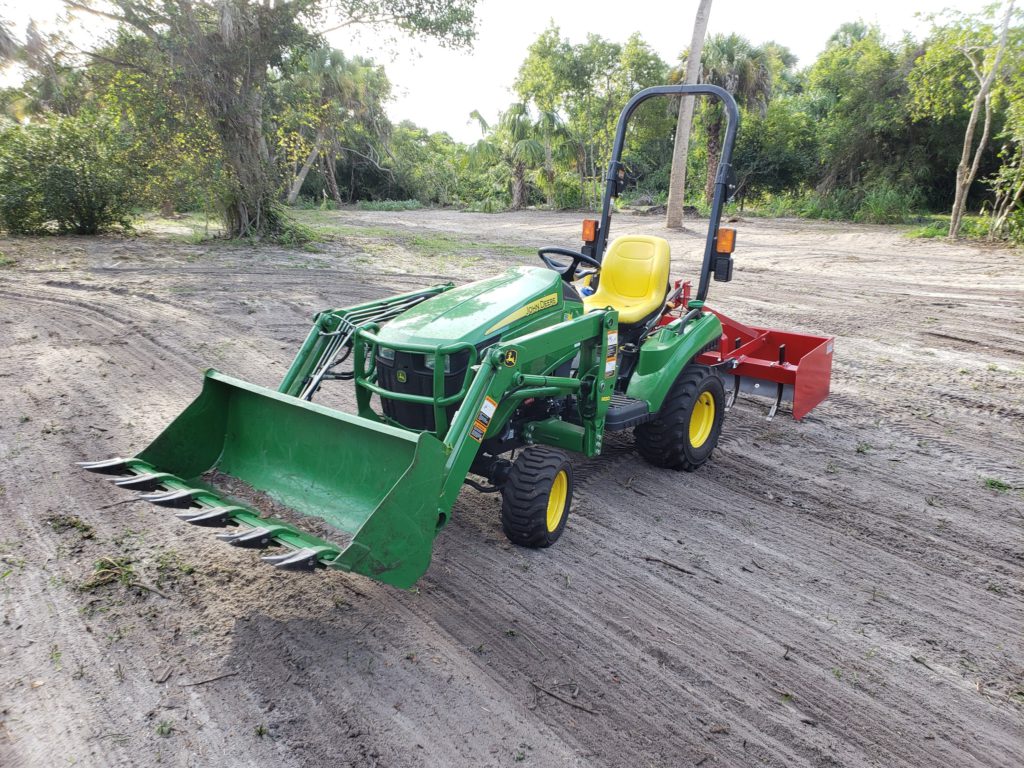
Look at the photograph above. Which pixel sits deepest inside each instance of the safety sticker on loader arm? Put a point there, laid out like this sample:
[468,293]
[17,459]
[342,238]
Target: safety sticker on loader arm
[613,351]
[483,419]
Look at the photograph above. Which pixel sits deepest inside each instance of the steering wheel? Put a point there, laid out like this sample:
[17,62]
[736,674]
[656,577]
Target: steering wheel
[567,272]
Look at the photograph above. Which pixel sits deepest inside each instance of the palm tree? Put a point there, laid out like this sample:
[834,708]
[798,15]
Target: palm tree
[331,89]
[681,148]
[555,139]
[513,142]
[745,71]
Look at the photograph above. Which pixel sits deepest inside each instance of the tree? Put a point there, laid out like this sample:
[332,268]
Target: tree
[681,147]
[174,143]
[587,85]
[936,82]
[745,70]
[856,92]
[513,142]
[328,103]
[557,144]
[226,48]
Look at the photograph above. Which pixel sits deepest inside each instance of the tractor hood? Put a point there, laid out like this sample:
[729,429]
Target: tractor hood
[518,301]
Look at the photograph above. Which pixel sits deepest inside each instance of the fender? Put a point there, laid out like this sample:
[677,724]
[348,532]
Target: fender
[664,355]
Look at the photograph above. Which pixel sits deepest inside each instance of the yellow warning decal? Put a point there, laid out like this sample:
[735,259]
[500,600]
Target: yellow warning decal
[526,310]
[483,419]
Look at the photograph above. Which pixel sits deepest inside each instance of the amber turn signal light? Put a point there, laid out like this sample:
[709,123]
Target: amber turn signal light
[726,240]
[589,230]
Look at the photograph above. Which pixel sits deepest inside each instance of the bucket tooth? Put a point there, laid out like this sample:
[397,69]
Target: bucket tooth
[116,466]
[254,538]
[303,560]
[217,517]
[148,482]
[178,499]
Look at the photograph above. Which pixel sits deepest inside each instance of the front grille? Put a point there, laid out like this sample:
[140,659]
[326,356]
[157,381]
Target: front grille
[419,380]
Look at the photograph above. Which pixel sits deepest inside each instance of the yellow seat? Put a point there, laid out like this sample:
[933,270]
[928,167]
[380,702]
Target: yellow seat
[634,278]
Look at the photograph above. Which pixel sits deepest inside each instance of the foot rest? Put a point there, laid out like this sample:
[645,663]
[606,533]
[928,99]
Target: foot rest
[625,412]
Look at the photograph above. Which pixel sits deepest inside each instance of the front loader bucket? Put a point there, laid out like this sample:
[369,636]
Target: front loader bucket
[369,491]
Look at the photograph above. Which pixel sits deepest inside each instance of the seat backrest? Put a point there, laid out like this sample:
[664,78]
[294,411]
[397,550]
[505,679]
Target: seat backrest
[636,267]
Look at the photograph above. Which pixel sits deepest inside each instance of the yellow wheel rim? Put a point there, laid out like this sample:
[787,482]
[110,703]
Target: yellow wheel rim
[556,500]
[702,419]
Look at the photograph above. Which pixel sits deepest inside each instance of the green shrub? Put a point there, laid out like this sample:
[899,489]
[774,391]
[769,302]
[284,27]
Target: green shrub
[389,205]
[487,205]
[840,204]
[971,228]
[567,191]
[884,203]
[1015,227]
[73,174]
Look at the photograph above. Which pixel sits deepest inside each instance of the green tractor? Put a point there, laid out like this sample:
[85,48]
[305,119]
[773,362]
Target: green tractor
[451,383]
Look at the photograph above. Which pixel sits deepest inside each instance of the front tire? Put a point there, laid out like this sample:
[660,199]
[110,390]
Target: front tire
[536,497]
[686,430]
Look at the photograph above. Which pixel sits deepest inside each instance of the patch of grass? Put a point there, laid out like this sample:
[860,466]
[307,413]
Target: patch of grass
[433,245]
[863,447]
[486,205]
[261,730]
[193,228]
[172,562]
[7,261]
[973,228]
[55,656]
[507,249]
[108,570]
[995,484]
[297,233]
[165,728]
[389,205]
[64,523]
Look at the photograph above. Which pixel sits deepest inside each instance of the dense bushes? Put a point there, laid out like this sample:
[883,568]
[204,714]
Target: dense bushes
[72,174]
[877,203]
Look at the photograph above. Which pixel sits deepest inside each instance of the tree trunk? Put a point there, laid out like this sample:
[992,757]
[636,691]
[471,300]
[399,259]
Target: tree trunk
[549,173]
[681,148]
[238,120]
[714,150]
[332,180]
[967,169]
[582,168]
[518,185]
[300,177]
[1008,197]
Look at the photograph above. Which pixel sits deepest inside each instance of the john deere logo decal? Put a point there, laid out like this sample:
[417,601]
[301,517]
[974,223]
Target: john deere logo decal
[401,377]
[510,357]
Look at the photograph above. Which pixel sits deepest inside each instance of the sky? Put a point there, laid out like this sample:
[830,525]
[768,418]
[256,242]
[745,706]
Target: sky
[437,88]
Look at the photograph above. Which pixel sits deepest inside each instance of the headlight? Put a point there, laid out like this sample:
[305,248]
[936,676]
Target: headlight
[386,353]
[428,361]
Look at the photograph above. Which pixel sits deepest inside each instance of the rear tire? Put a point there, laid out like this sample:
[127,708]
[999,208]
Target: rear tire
[536,497]
[686,429]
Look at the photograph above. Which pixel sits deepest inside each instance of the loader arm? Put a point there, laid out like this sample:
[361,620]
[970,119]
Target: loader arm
[329,341]
[500,386]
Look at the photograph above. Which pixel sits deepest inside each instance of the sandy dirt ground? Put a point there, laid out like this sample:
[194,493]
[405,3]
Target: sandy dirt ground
[845,591]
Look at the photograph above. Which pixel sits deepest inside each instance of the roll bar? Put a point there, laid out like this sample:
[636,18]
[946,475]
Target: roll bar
[721,179]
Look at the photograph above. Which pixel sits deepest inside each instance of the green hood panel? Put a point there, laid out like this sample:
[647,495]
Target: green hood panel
[512,301]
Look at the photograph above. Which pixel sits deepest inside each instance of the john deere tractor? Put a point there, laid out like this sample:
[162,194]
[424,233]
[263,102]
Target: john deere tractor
[495,385]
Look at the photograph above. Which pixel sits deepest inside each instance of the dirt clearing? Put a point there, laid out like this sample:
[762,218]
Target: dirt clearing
[845,591]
